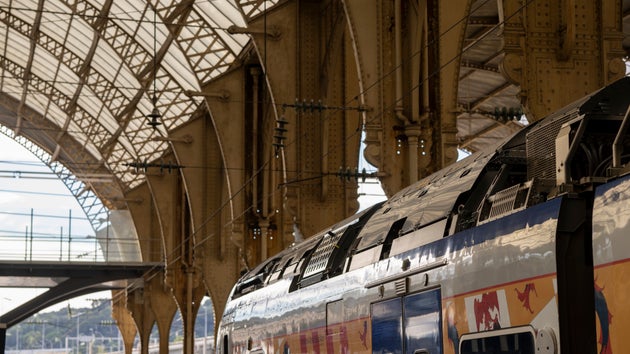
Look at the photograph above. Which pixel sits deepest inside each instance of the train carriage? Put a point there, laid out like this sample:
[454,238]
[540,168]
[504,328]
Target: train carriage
[521,248]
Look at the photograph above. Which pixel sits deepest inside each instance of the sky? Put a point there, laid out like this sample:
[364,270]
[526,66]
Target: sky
[25,184]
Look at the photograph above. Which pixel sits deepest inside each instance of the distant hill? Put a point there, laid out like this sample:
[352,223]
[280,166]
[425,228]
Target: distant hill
[95,326]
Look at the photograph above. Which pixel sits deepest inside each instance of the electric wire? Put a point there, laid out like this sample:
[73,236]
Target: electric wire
[234,195]
[435,72]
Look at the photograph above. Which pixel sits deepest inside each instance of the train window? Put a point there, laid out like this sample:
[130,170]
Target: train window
[335,328]
[518,340]
[412,324]
[424,235]
[387,326]
[423,322]
[334,313]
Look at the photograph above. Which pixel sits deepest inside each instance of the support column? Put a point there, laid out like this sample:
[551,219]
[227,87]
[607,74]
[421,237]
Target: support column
[143,317]
[188,295]
[413,133]
[307,61]
[163,307]
[408,59]
[124,320]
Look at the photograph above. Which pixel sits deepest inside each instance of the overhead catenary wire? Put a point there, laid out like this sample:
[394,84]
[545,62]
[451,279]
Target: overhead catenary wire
[208,219]
[364,89]
[249,181]
[373,85]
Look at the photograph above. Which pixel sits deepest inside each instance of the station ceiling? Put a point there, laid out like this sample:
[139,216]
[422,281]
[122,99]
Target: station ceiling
[80,76]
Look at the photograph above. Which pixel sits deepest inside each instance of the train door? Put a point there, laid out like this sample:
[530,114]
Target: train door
[408,325]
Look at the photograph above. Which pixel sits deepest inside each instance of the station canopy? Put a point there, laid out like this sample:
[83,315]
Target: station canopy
[81,77]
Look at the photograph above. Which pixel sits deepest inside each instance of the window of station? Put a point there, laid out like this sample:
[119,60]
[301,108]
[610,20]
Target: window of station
[507,341]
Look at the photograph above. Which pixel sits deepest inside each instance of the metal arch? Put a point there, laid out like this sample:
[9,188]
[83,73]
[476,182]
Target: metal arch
[205,73]
[133,56]
[139,62]
[32,34]
[49,90]
[87,199]
[82,69]
[64,56]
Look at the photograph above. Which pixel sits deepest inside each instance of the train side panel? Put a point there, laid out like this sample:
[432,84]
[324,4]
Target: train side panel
[499,275]
[523,248]
[611,256]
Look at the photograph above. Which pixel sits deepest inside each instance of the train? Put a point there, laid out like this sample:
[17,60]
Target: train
[523,247]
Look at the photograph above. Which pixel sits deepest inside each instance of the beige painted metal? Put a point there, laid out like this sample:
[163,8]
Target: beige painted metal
[560,53]
[306,61]
[124,320]
[411,124]
[395,68]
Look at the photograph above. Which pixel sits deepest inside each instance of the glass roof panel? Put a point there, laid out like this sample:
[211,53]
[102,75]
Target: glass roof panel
[17,47]
[127,145]
[141,28]
[96,3]
[220,19]
[108,122]
[80,37]
[117,159]
[43,62]
[44,66]
[252,9]
[235,42]
[92,104]
[127,9]
[144,107]
[135,125]
[53,113]
[176,63]
[11,86]
[23,10]
[53,23]
[77,133]
[108,64]
[151,150]
[221,14]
